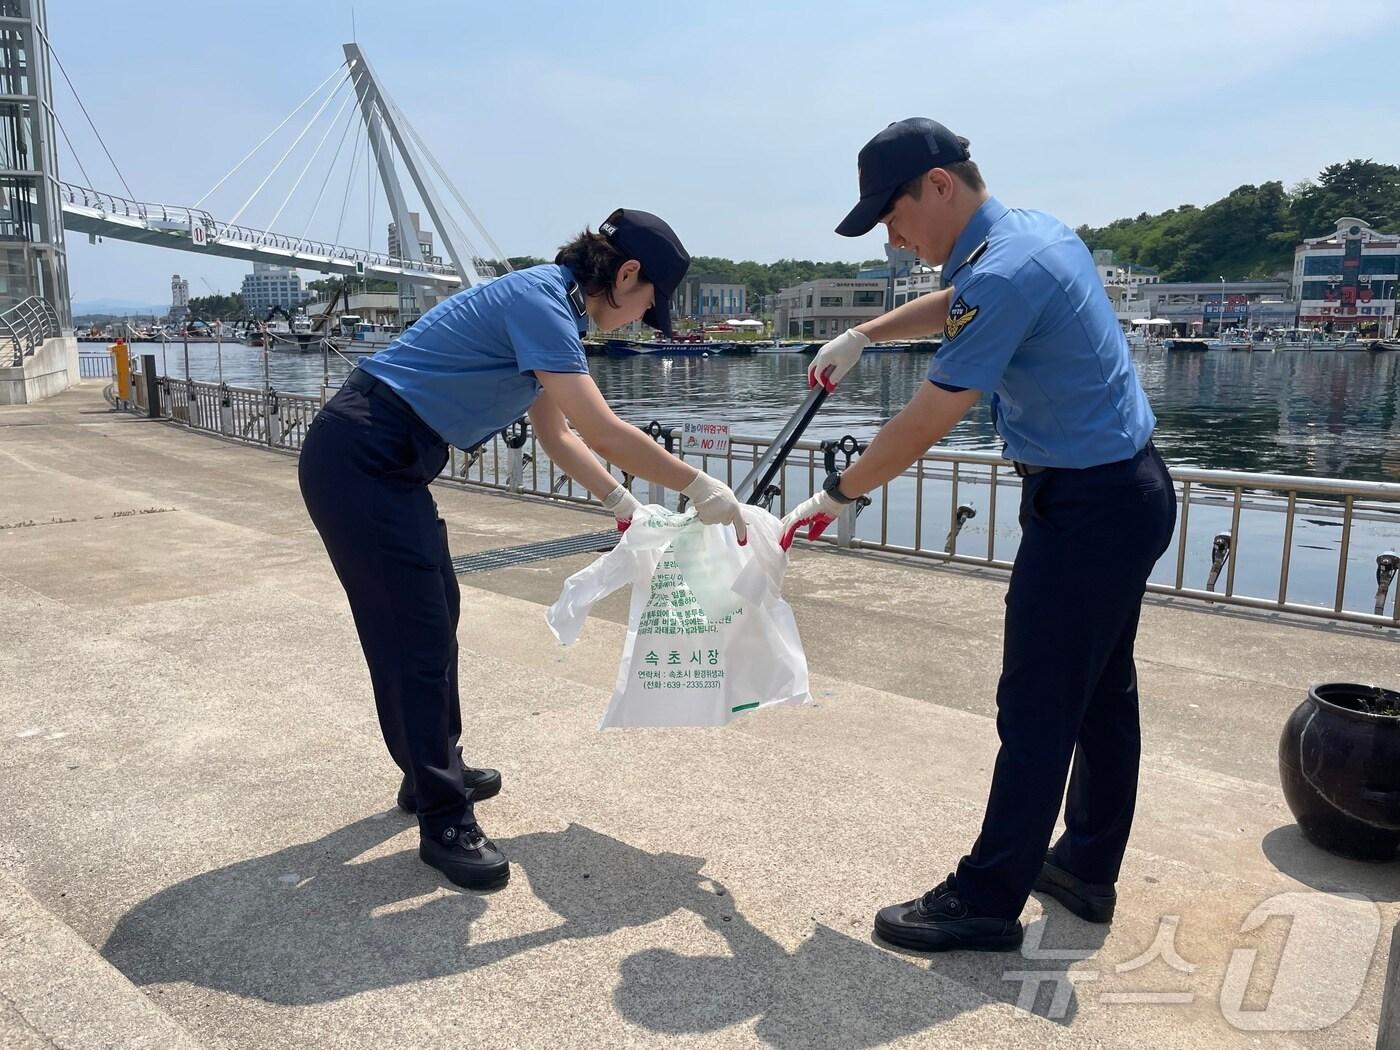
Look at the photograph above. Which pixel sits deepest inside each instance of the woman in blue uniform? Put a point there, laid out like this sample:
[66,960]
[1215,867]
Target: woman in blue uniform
[464,371]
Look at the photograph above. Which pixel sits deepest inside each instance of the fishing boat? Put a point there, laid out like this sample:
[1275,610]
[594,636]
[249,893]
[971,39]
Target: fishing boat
[355,335]
[659,348]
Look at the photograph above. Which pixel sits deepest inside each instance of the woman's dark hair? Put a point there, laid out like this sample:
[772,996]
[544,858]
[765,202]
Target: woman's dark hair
[594,263]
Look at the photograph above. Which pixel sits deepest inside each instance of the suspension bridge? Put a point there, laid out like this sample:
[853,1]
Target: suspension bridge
[386,143]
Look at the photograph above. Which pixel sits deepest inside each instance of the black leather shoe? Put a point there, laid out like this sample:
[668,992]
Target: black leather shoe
[1091,901]
[467,857]
[939,921]
[482,783]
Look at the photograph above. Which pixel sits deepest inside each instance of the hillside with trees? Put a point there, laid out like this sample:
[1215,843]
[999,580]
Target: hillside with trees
[1252,231]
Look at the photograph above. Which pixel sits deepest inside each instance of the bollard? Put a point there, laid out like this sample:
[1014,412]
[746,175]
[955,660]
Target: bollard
[121,368]
[152,381]
[850,448]
[515,436]
[1219,555]
[1388,1037]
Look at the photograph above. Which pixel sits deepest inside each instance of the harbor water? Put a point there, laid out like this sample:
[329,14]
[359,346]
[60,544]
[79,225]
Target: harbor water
[1315,413]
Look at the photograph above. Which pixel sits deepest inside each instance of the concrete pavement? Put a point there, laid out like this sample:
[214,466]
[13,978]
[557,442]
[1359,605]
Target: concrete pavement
[196,789]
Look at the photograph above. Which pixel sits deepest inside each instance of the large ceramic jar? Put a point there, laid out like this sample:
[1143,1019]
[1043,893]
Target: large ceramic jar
[1339,759]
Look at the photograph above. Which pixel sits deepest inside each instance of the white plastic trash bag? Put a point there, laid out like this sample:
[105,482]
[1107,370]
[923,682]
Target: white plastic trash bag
[709,635]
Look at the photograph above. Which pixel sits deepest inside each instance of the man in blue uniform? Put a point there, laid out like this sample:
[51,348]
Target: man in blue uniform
[1024,318]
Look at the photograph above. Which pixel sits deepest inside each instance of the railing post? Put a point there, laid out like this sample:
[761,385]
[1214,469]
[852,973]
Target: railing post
[273,417]
[225,411]
[515,436]
[656,492]
[850,448]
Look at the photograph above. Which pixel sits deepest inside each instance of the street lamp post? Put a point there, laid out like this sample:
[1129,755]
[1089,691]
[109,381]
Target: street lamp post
[1220,328]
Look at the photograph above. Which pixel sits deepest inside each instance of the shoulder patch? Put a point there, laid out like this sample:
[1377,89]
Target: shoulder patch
[960,315]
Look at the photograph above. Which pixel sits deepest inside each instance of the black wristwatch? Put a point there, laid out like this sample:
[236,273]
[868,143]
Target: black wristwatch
[832,487]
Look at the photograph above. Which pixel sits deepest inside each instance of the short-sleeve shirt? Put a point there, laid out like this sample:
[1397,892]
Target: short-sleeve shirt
[1029,321]
[467,366]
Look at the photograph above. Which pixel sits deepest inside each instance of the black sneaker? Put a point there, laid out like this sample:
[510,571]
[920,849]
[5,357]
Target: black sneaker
[467,857]
[481,783]
[1091,901]
[939,921]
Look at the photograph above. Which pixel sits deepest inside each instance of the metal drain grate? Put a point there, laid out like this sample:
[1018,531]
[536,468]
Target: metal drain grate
[504,557]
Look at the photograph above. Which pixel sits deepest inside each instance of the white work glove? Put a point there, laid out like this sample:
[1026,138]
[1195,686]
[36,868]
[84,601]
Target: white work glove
[818,511]
[623,505]
[716,504]
[836,358]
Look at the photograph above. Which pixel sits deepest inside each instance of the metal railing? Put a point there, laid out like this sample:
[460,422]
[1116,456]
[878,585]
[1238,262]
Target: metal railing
[177,217]
[95,366]
[25,326]
[925,513]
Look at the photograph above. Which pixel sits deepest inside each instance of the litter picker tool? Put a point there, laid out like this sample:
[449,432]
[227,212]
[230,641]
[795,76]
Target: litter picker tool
[752,488]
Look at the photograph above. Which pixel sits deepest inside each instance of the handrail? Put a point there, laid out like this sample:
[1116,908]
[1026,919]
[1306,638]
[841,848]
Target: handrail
[26,325]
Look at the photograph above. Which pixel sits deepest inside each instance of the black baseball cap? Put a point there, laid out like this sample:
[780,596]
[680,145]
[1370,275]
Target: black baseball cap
[904,149]
[645,237]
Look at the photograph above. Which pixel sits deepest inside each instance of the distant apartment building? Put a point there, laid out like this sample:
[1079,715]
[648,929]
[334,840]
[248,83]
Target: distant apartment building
[271,285]
[825,308]
[425,240]
[1348,277]
[179,298]
[704,298]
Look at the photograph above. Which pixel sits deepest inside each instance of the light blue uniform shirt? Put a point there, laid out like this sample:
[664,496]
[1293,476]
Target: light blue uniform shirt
[1030,322]
[467,366]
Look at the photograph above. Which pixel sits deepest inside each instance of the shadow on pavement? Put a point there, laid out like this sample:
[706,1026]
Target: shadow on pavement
[1295,856]
[311,924]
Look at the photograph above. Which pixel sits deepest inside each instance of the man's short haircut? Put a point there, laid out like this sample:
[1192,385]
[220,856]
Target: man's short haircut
[963,170]
[966,170]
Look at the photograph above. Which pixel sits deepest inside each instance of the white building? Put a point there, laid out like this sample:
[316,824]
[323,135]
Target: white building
[1129,275]
[1348,278]
[179,298]
[920,281]
[825,308]
[271,285]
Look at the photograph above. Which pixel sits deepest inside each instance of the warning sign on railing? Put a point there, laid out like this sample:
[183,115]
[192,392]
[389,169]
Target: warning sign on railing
[199,236]
[705,439]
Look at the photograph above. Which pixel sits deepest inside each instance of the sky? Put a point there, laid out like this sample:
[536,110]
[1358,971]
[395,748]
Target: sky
[739,123]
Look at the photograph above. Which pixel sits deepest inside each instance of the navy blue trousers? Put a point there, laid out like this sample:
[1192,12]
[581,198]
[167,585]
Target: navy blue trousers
[365,468]
[1068,688]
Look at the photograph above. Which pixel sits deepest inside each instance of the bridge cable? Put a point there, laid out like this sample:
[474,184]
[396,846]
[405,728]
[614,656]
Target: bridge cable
[452,189]
[86,177]
[316,207]
[349,179]
[59,63]
[269,135]
[272,223]
[295,142]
